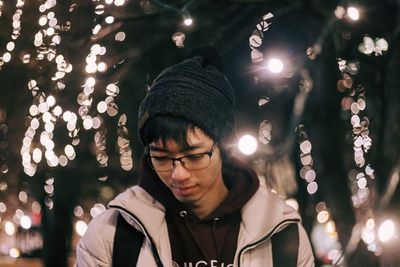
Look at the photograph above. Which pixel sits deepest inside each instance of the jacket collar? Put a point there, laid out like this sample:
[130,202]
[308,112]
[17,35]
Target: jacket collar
[255,224]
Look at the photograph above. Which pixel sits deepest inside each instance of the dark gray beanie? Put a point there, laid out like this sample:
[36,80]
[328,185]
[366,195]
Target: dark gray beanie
[195,90]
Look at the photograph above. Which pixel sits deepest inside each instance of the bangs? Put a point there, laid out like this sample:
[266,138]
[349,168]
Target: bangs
[164,128]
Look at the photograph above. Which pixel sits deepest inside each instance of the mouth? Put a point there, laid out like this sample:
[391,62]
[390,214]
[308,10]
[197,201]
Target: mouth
[186,190]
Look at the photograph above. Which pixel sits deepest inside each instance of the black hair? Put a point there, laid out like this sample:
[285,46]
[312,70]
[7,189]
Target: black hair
[166,128]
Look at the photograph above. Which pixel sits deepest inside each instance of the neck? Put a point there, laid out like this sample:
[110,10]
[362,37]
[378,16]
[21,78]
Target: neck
[212,200]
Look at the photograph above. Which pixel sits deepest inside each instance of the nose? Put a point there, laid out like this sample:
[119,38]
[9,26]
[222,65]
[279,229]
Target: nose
[179,172]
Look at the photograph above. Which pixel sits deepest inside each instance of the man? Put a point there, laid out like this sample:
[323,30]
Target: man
[194,205]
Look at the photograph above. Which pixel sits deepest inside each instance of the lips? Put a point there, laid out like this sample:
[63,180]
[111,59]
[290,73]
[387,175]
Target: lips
[187,190]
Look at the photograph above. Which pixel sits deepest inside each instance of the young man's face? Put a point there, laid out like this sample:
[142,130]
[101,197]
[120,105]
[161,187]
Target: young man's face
[198,188]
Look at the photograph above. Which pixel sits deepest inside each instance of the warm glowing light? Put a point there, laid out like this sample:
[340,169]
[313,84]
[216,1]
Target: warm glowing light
[3,207]
[96,122]
[367,235]
[119,2]
[353,13]
[80,227]
[330,227]
[96,29]
[49,127]
[323,216]
[310,176]
[247,144]
[14,253]
[57,111]
[312,188]
[275,65]
[102,67]
[69,151]
[37,155]
[78,211]
[188,21]
[97,210]
[35,123]
[90,82]
[66,116]
[340,12]
[33,110]
[26,222]
[109,19]
[9,228]
[42,20]
[10,46]
[95,51]
[23,196]
[88,123]
[102,107]
[120,36]
[370,224]
[63,160]
[91,68]
[386,231]
[305,147]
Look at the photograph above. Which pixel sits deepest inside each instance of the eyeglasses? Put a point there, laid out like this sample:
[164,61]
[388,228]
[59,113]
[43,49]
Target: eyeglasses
[190,162]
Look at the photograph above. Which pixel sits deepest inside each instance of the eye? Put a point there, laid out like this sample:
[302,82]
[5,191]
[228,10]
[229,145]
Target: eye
[160,159]
[195,157]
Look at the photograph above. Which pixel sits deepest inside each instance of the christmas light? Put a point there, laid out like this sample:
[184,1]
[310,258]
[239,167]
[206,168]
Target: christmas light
[247,144]
[81,227]
[275,65]
[353,13]
[386,231]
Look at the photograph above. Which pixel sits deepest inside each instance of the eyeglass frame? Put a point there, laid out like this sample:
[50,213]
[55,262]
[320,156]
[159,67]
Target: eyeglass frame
[208,153]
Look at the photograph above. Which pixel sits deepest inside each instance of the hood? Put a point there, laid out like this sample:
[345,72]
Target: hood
[146,204]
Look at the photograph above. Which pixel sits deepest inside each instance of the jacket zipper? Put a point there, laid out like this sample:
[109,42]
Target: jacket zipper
[144,231]
[265,237]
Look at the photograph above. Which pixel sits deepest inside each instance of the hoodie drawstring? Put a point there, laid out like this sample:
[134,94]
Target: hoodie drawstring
[215,236]
[183,215]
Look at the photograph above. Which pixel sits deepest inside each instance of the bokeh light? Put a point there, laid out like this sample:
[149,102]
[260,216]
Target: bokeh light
[386,231]
[353,13]
[275,65]
[81,227]
[247,144]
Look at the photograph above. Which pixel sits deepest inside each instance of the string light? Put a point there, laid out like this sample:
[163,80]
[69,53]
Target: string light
[187,20]
[386,231]
[16,31]
[265,128]
[81,227]
[362,178]
[307,172]
[179,38]
[255,40]
[275,65]
[247,144]
[353,13]
[369,46]
[108,105]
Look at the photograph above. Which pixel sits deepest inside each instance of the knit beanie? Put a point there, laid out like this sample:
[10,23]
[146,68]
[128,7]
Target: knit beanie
[195,90]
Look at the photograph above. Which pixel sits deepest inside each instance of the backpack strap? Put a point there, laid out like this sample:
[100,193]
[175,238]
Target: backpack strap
[127,243]
[285,246]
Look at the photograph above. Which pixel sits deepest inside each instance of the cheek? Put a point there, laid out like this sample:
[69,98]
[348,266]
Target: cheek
[164,177]
[209,175]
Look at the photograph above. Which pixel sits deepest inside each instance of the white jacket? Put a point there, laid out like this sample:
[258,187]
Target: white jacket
[263,213]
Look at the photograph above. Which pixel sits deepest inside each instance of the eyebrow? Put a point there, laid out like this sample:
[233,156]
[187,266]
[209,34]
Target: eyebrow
[161,149]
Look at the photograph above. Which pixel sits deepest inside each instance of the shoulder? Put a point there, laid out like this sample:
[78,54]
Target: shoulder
[97,243]
[267,200]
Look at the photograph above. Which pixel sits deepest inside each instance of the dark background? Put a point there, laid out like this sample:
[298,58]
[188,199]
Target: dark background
[148,48]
